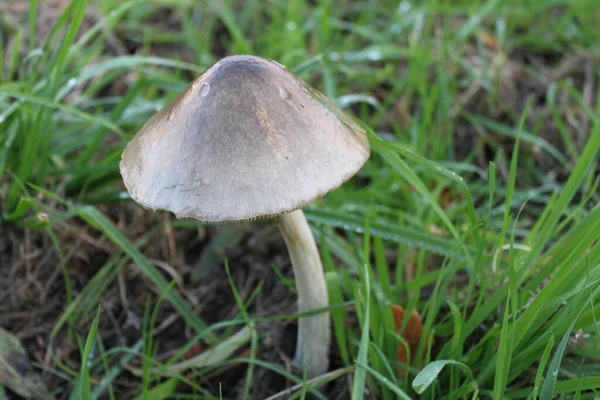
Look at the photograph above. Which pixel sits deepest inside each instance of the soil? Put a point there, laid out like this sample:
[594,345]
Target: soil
[32,294]
[32,286]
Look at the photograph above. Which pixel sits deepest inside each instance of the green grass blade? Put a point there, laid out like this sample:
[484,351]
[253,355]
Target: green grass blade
[385,381]
[547,392]
[85,386]
[578,174]
[96,219]
[360,374]
[504,356]
[431,372]
[77,19]
[544,360]
[385,230]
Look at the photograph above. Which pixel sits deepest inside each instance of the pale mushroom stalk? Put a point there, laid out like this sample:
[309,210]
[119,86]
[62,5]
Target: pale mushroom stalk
[248,139]
[312,345]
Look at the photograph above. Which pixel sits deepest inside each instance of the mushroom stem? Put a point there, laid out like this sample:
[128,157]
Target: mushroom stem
[312,348]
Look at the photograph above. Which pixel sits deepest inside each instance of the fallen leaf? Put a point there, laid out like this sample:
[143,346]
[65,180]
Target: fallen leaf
[412,333]
[489,41]
[16,372]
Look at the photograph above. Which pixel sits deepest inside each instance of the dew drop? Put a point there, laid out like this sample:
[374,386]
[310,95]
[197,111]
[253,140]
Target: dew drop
[42,218]
[204,89]
[404,7]
[501,25]
[374,55]
[284,94]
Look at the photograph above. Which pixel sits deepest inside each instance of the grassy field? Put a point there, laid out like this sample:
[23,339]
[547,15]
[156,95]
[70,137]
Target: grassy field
[478,206]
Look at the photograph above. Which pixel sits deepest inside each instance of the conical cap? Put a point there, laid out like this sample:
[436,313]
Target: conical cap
[247,139]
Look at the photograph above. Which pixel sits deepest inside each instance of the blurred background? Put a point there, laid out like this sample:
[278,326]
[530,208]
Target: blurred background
[484,117]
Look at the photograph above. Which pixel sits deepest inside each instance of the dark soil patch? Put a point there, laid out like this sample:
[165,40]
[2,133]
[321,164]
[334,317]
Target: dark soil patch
[32,287]
[32,294]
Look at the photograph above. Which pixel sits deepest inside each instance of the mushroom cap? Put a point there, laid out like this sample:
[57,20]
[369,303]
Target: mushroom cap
[247,139]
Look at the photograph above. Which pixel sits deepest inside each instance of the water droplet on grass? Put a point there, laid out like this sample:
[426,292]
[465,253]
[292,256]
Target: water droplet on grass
[404,7]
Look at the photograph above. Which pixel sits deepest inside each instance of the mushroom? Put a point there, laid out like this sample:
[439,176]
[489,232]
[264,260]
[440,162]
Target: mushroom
[248,139]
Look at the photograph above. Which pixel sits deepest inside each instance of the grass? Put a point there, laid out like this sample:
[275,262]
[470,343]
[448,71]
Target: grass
[478,206]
